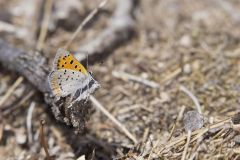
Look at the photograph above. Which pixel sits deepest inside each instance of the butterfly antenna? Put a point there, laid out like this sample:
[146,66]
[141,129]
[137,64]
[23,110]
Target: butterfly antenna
[84,22]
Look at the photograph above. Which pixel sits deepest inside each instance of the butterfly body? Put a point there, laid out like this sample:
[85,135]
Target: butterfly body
[69,77]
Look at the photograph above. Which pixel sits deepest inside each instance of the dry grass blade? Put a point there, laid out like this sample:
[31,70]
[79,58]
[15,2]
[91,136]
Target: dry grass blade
[172,130]
[1,130]
[113,119]
[180,114]
[151,152]
[29,122]
[186,145]
[1,126]
[85,21]
[10,91]
[126,77]
[194,98]
[172,75]
[45,22]
[145,135]
[23,100]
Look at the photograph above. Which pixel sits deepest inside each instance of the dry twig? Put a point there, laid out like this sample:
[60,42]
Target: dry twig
[85,21]
[194,98]
[45,22]
[10,91]
[43,141]
[1,127]
[171,132]
[113,119]
[126,76]
[23,100]
[29,122]
[186,145]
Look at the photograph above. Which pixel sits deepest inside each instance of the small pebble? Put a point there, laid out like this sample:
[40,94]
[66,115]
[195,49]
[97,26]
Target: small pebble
[21,138]
[144,75]
[237,139]
[187,68]
[193,120]
[185,41]
[236,119]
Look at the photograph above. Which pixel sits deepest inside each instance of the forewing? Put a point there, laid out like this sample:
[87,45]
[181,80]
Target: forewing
[65,60]
[64,82]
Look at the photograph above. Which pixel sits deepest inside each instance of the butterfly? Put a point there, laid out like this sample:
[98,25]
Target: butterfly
[69,77]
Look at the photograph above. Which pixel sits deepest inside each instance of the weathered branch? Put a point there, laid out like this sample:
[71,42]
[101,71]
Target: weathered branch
[30,65]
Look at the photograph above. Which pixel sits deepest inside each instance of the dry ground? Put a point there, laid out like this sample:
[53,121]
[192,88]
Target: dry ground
[187,43]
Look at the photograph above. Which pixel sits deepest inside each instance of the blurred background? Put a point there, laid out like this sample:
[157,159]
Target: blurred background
[170,45]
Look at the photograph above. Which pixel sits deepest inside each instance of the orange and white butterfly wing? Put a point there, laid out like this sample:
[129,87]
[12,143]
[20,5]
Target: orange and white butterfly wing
[65,60]
[64,82]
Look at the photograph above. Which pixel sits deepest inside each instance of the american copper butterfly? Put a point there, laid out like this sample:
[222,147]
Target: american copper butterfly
[69,77]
